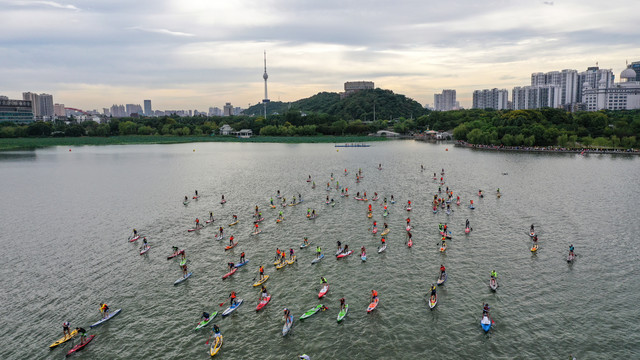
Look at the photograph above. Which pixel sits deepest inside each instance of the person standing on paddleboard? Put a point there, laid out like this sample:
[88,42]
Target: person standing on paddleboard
[571,248]
[231,240]
[342,304]
[433,289]
[374,295]
[230,265]
[65,329]
[318,252]
[144,243]
[242,257]
[261,270]
[232,297]
[104,310]
[264,293]
[211,216]
[494,274]
[442,269]
[184,270]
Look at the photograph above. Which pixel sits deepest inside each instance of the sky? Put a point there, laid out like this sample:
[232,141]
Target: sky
[193,54]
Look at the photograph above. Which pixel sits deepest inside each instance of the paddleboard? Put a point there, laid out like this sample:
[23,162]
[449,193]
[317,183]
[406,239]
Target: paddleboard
[102,321]
[263,303]
[134,238]
[433,301]
[242,263]
[204,323]
[486,323]
[570,258]
[81,346]
[233,271]
[234,223]
[493,284]
[233,307]
[442,278]
[281,265]
[311,312]
[260,282]
[144,251]
[373,305]
[179,252]
[363,256]
[343,313]
[385,232]
[182,279]
[323,291]
[229,247]
[216,345]
[382,249]
[345,254]
[292,260]
[64,339]
[317,259]
[287,325]
[303,245]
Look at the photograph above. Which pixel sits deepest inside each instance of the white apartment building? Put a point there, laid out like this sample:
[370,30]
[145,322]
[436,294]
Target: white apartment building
[624,95]
[497,99]
[536,97]
[445,101]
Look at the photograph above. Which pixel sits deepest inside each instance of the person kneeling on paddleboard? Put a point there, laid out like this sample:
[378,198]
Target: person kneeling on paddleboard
[205,316]
[323,280]
[494,274]
[230,265]
[216,330]
[83,334]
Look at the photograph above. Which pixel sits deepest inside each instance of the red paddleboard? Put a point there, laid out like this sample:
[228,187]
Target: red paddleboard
[81,346]
[229,247]
[134,238]
[179,252]
[323,291]
[263,303]
[373,305]
[410,243]
[229,273]
[345,254]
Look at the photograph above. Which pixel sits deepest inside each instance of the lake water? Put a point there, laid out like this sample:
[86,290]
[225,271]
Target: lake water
[66,217]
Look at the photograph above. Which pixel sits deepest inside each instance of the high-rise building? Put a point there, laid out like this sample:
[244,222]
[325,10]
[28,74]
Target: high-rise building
[133,109]
[622,96]
[566,79]
[147,108]
[593,76]
[59,111]
[19,111]
[536,97]
[228,109]
[41,105]
[117,111]
[46,107]
[491,99]
[445,101]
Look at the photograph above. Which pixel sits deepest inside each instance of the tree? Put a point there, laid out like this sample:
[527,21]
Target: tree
[127,128]
[39,128]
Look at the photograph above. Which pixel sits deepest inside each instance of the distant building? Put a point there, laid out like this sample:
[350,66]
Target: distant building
[59,111]
[228,109]
[536,97]
[351,87]
[594,76]
[245,133]
[19,111]
[445,101]
[635,66]
[566,79]
[41,105]
[624,95]
[2,97]
[133,109]
[497,99]
[117,111]
[147,108]
[226,129]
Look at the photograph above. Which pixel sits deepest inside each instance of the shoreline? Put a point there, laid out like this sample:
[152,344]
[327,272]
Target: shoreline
[12,144]
[546,150]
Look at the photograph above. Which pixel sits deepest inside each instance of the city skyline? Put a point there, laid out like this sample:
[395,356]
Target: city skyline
[203,54]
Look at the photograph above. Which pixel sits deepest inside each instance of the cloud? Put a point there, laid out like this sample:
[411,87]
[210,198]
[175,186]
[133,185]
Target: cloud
[161,31]
[550,3]
[55,5]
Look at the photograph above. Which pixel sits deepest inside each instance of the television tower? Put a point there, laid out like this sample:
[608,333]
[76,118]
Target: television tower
[265,77]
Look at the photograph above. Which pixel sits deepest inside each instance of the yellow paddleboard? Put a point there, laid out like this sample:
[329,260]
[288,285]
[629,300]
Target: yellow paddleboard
[64,339]
[215,347]
[283,264]
[260,282]
[233,223]
[291,261]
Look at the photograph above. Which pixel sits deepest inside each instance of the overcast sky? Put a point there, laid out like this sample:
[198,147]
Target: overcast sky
[192,54]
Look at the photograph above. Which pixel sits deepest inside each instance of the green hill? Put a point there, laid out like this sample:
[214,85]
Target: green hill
[359,105]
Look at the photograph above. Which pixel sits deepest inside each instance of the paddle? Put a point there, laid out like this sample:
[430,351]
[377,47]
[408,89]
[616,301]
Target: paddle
[224,302]
[207,343]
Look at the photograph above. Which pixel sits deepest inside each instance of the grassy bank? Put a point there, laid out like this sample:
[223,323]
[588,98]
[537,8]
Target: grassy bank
[34,143]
